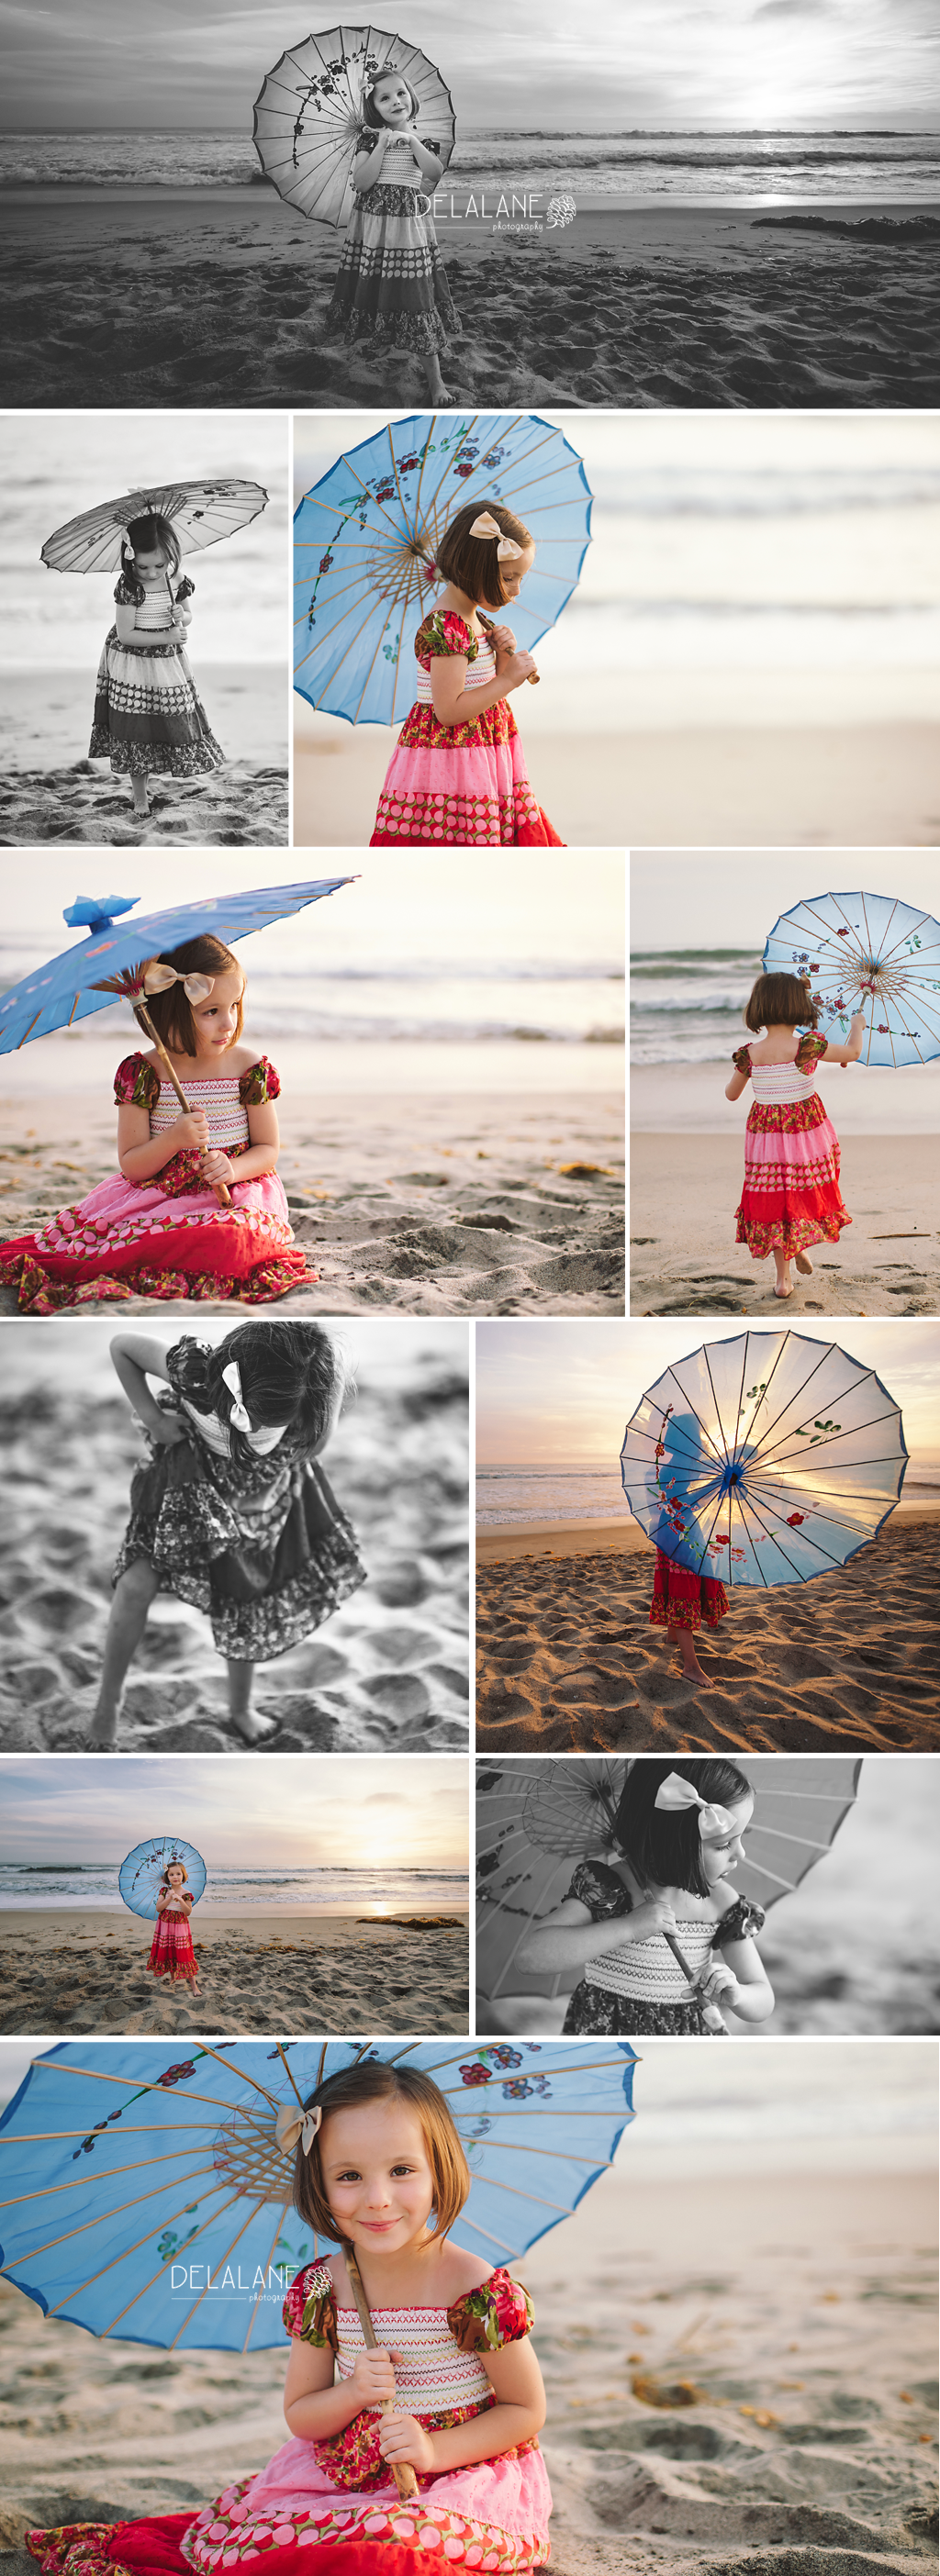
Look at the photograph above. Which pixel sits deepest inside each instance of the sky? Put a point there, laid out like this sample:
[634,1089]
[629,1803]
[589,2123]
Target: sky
[560,1393]
[329,1810]
[731,899]
[630,63]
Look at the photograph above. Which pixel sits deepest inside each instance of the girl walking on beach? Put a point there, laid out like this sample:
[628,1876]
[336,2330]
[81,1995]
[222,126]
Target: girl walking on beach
[791,1196]
[454,2390]
[149,718]
[457,773]
[231,1511]
[171,1950]
[391,289]
[157,1228]
[676,1836]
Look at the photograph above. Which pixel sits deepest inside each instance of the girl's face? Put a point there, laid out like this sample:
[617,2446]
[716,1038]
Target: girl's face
[722,1851]
[377,2176]
[150,566]
[175,1878]
[216,1020]
[514,573]
[391,99]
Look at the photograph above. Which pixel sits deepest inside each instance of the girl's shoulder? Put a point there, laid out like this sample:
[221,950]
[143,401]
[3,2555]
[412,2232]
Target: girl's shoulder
[309,2310]
[124,596]
[812,1045]
[443,635]
[137,1082]
[742,1059]
[496,2311]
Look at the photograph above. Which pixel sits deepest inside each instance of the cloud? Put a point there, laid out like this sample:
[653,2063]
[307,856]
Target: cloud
[795,9]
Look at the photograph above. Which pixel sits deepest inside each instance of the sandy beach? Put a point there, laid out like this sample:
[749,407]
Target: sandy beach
[765,2410]
[423,1203]
[69,1972]
[871,785]
[567,1661]
[684,1190]
[387,1671]
[633,305]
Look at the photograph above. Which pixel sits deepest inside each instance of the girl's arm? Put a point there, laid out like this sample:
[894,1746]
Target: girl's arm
[262,1153]
[455,704]
[141,1155]
[738,1083]
[735,1976]
[850,1052]
[313,2408]
[136,1358]
[517,2416]
[367,166]
[429,164]
[125,620]
[569,1937]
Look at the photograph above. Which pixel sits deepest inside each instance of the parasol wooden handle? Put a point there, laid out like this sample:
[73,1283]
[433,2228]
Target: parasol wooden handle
[532,677]
[143,1014]
[717,2021]
[404,2477]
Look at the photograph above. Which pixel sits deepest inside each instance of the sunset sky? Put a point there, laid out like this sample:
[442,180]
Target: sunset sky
[541,64]
[398,1811]
[560,1393]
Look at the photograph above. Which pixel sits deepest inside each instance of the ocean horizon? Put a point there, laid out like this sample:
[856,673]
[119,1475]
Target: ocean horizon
[92,1887]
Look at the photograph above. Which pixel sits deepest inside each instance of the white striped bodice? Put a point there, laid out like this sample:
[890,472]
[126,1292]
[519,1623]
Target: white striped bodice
[433,2376]
[220,1100]
[155,609]
[647,1971]
[479,674]
[778,1084]
[399,167]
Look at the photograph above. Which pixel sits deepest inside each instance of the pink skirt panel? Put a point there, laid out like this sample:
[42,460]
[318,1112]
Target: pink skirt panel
[477,793]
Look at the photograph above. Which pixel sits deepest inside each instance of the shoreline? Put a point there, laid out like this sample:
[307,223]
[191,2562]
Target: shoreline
[502,1544]
[85,1920]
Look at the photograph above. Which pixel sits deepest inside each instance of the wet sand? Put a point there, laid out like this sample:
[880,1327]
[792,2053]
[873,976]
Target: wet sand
[70,1972]
[765,2411]
[567,1661]
[684,1191]
[633,305]
[417,1204]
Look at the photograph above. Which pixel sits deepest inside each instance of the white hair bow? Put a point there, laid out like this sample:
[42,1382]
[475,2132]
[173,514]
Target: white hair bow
[291,2126]
[487,526]
[232,1379]
[158,979]
[674,1793]
[126,543]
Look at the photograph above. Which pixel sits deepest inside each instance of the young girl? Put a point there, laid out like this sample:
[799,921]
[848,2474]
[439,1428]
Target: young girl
[171,1950]
[791,1196]
[683,1601]
[379,2165]
[457,772]
[231,1511]
[677,1833]
[148,715]
[390,287]
[158,1230]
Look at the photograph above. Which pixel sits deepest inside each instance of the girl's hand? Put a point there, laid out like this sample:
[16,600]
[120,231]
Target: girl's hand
[217,1167]
[374,2377]
[503,638]
[516,670]
[715,1980]
[191,1129]
[169,1432]
[653,1916]
[404,2443]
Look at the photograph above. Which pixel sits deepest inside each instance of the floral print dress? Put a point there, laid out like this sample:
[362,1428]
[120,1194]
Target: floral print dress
[390,286]
[640,1990]
[149,719]
[171,1950]
[791,1196]
[334,2503]
[464,783]
[262,1547]
[168,1237]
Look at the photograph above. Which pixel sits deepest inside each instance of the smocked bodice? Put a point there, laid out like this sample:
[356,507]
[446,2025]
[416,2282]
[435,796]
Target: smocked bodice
[219,1098]
[779,1085]
[647,1971]
[434,2376]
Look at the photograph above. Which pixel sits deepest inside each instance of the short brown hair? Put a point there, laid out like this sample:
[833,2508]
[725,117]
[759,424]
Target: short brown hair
[377,2081]
[171,1012]
[781,1001]
[472,563]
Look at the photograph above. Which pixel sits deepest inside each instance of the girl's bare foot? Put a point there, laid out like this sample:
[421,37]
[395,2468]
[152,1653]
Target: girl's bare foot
[784,1288]
[141,798]
[252,1729]
[804,1265]
[102,1734]
[692,1672]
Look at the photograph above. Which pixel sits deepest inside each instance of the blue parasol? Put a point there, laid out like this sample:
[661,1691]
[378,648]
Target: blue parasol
[140,1875]
[78,982]
[763,1460]
[866,952]
[153,2202]
[366,540]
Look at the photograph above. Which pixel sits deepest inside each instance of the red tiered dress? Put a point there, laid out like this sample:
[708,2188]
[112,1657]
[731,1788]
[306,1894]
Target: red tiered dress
[682,1599]
[167,1237]
[464,783]
[331,2508]
[171,1950]
[791,1196]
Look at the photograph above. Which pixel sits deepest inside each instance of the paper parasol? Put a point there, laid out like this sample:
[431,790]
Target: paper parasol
[866,952]
[140,1875]
[309,115]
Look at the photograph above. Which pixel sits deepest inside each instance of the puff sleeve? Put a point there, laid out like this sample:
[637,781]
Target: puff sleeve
[136,1084]
[309,2310]
[123,594]
[443,636]
[741,1059]
[600,1889]
[261,1083]
[499,2312]
[810,1048]
[741,1920]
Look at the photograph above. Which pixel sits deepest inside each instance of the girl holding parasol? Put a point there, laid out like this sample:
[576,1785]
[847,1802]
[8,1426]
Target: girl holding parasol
[149,717]
[390,288]
[791,1196]
[645,1921]
[171,1950]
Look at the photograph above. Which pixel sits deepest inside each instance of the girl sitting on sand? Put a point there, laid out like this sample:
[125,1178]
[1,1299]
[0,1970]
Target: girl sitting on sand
[231,1512]
[791,1196]
[390,287]
[457,772]
[158,1229]
[676,1835]
[171,1950]
[148,715]
[453,2390]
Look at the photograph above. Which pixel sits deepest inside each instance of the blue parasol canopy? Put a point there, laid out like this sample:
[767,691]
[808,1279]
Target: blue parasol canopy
[763,1460]
[866,952]
[366,540]
[68,988]
[140,1875]
[152,2202]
